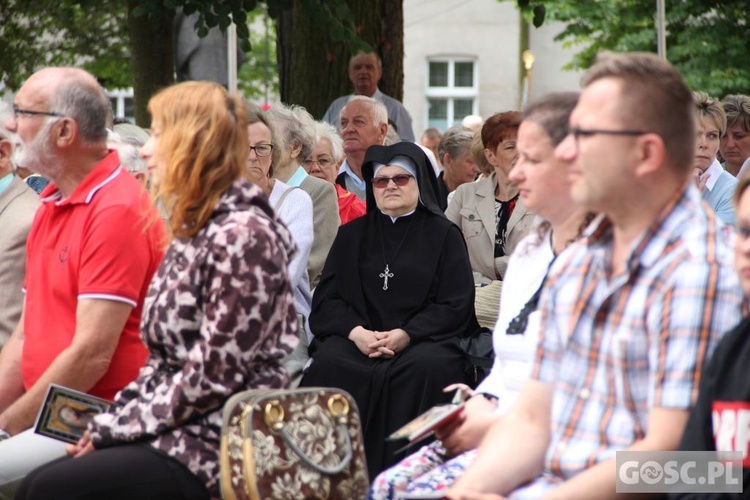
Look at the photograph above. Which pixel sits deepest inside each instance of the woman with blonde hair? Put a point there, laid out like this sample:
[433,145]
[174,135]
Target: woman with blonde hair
[716,184]
[219,317]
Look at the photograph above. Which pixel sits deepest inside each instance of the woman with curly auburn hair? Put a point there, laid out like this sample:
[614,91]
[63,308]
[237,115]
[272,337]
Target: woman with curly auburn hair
[219,317]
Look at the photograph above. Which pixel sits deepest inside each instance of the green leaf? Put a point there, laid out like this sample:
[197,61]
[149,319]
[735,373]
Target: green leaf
[539,13]
[139,11]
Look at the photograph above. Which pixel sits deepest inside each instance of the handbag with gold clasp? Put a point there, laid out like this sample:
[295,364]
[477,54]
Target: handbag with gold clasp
[300,443]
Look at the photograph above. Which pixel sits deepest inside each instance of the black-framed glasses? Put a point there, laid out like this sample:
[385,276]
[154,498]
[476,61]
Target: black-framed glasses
[398,179]
[577,133]
[322,162]
[30,112]
[261,149]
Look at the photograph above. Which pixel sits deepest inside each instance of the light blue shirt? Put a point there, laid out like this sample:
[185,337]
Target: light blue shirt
[5,182]
[719,192]
[297,177]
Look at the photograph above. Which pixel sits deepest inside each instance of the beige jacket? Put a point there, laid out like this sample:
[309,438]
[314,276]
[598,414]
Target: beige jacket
[325,223]
[472,209]
[18,204]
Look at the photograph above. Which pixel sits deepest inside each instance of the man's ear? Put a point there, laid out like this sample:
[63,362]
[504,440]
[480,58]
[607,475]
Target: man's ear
[383,132]
[66,131]
[650,153]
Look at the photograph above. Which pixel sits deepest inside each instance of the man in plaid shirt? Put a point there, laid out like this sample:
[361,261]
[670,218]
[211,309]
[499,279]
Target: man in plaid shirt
[629,314]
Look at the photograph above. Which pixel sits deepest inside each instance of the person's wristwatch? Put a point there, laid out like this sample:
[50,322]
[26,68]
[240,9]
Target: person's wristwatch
[4,435]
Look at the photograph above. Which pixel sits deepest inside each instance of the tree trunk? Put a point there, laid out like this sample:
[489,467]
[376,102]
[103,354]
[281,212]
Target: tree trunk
[152,54]
[284,33]
[316,72]
[391,48]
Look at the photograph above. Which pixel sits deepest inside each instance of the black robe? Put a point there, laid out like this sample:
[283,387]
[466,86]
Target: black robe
[430,295]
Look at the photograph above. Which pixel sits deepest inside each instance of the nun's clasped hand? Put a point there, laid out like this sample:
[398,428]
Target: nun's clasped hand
[389,343]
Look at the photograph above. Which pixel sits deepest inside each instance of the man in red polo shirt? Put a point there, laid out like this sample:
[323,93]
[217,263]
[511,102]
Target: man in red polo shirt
[93,247]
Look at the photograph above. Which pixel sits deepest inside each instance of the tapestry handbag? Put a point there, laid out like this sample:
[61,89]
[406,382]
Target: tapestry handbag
[292,443]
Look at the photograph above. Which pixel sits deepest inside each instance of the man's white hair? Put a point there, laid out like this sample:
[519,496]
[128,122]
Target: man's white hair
[378,111]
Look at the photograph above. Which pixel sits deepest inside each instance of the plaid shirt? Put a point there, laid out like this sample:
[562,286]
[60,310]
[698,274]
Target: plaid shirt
[616,346]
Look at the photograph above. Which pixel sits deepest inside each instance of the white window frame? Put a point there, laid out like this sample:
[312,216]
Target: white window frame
[451,92]
[120,95]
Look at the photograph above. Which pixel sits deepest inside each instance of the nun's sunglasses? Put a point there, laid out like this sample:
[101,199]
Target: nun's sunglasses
[399,180]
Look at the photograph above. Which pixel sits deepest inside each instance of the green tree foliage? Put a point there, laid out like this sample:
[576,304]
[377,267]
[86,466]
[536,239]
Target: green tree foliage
[128,42]
[90,34]
[260,69]
[707,40]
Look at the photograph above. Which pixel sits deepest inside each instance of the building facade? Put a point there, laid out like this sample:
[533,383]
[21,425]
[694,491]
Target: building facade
[463,57]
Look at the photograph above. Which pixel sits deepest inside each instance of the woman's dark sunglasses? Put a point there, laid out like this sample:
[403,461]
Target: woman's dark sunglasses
[399,180]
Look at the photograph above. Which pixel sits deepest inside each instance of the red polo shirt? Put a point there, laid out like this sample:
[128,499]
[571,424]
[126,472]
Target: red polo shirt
[103,242]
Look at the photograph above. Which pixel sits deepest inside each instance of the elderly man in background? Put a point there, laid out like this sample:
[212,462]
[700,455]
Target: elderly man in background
[93,247]
[363,123]
[365,71]
[735,144]
[18,202]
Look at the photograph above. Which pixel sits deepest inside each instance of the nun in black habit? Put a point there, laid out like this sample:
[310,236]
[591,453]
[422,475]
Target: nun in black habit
[395,296]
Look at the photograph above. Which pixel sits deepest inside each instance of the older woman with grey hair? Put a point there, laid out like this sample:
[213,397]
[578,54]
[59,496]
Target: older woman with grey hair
[295,129]
[459,166]
[324,164]
[127,142]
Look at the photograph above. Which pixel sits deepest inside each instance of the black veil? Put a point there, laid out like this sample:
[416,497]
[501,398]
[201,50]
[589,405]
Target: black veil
[426,180]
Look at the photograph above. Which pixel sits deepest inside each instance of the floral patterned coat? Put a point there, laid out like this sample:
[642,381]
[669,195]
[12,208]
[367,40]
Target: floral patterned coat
[218,319]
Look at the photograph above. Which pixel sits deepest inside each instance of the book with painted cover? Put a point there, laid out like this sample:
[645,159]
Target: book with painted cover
[425,424]
[65,413]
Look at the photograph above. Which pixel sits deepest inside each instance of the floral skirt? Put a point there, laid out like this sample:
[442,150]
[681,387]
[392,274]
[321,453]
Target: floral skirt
[428,469]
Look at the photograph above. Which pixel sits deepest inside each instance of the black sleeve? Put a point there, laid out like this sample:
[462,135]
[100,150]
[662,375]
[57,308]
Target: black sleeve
[449,311]
[331,313]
